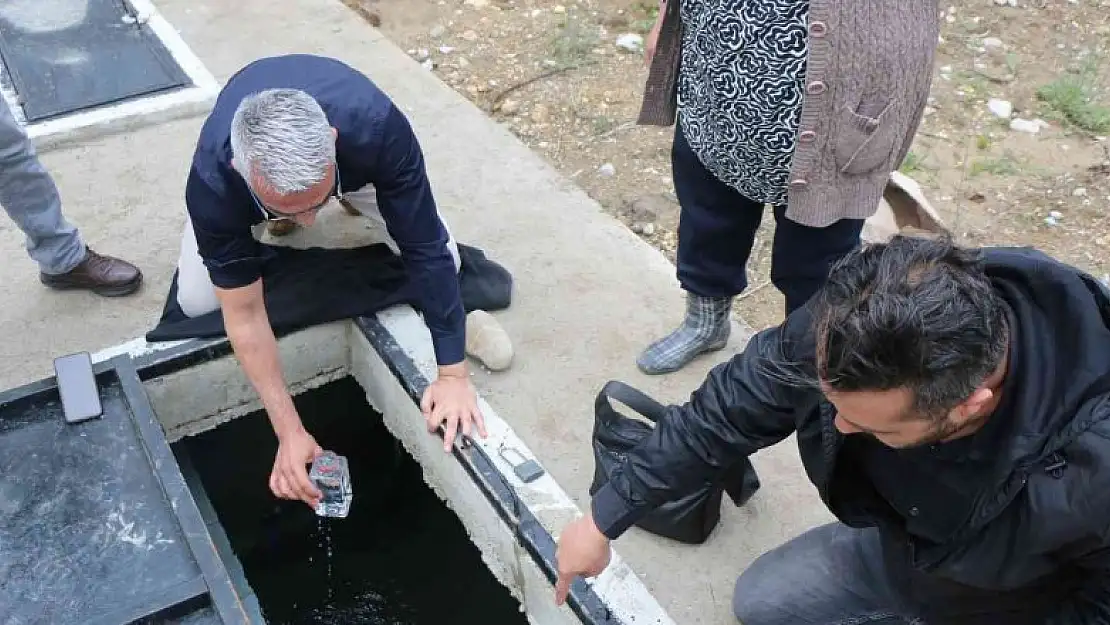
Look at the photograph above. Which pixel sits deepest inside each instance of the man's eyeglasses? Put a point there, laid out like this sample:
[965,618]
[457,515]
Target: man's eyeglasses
[270,214]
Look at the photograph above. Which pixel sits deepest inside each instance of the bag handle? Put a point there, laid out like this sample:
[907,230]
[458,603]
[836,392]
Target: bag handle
[634,399]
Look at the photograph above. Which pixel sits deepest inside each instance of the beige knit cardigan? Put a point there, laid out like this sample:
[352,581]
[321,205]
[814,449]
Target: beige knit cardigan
[867,81]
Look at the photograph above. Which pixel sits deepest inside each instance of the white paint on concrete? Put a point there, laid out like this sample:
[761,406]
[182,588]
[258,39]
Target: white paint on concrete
[135,348]
[188,101]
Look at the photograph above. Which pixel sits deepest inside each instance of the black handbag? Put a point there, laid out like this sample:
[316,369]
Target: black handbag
[689,519]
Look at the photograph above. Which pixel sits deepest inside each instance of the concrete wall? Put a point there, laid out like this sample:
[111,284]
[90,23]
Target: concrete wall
[205,395]
[500,551]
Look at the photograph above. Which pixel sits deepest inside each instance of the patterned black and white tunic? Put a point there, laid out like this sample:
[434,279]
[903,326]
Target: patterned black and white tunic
[740,89]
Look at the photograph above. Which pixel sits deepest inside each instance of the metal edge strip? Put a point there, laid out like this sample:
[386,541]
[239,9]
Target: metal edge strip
[219,536]
[225,601]
[539,543]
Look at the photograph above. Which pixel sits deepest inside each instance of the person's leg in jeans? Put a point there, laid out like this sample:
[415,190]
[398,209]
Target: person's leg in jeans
[30,198]
[830,575]
[802,256]
[716,229]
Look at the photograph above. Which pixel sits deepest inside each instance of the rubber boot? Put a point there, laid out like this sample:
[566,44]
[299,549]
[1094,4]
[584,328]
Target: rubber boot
[706,328]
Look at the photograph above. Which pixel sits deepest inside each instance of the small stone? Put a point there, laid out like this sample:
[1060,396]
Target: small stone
[1056,214]
[428,64]
[992,42]
[1000,108]
[446,49]
[462,62]
[422,54]
[630,42]
[1050,221]
[470,35]
[643,227]
[539,114]
[1025,125]
[646,208]
[477,4]
[437,31]
[558,8]
[615,21]
[487,341]
[510,107]
[607,170]
[1103,241]
[929,110]
[1080,192]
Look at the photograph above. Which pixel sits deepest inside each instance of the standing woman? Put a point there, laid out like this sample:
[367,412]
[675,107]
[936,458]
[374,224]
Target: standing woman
[805,105]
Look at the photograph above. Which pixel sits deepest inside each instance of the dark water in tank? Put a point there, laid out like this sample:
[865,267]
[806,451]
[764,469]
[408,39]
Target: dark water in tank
[400,557]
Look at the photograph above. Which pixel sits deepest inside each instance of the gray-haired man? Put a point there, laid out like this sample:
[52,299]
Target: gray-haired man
[285,135]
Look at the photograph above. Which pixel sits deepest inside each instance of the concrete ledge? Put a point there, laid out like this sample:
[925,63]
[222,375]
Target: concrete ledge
[205,395]
[500,550]
[625,598]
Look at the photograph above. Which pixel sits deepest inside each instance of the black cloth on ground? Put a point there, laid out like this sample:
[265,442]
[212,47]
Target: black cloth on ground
[308,287]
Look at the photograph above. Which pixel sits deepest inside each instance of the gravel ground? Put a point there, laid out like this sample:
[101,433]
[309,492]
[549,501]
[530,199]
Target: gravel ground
[1013,149]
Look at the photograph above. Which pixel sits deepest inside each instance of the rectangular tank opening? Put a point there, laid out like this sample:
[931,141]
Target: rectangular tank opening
[400,556]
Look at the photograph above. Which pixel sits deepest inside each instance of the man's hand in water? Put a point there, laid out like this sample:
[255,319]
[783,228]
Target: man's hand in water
[289,479]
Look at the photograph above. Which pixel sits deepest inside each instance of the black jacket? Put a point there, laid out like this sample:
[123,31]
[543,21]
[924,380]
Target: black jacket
[1035,544]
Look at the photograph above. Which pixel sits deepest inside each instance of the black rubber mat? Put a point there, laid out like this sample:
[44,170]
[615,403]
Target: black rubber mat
[97,526]
[68,55]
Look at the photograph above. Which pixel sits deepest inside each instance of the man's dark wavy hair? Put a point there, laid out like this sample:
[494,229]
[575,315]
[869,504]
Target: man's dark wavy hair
[917,313]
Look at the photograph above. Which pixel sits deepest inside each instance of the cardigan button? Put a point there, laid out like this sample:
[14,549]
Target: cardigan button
[818,29]
[799,183]
[816,88]
[807,136]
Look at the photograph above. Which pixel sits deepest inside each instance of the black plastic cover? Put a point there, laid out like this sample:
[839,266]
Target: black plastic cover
[67,55]
[97,525]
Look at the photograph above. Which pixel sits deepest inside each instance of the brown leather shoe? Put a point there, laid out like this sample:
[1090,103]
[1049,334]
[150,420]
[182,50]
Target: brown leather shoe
[103,275]
[280,227]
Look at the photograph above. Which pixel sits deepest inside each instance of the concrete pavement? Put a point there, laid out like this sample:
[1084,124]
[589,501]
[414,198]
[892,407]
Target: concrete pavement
[589,293]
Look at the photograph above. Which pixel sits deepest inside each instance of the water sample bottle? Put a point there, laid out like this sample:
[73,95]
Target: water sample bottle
[330,474]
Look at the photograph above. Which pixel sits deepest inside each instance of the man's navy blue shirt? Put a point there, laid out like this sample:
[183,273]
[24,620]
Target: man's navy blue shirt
[375,145]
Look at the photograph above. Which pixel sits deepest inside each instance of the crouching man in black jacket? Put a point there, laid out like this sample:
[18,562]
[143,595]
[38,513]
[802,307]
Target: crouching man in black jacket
[952,407]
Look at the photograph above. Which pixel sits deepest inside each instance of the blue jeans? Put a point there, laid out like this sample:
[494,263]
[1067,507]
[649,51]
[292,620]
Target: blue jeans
[830,575]
[29,196]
